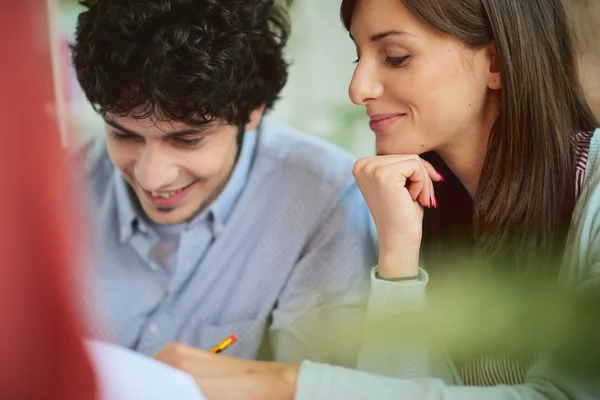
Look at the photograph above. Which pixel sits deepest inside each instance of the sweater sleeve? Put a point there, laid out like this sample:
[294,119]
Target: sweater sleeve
[402,372]
[324,382]
[380,352]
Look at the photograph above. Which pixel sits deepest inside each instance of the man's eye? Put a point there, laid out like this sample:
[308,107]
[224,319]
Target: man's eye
[122,136]
[187,142]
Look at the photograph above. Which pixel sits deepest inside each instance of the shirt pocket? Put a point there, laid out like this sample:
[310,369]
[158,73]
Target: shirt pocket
[250,334]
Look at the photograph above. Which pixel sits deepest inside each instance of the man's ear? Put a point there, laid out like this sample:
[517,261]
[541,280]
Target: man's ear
[495,80]
[255,118]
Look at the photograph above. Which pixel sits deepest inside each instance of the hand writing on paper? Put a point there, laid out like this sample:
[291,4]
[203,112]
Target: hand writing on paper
[226,378]
[396,188]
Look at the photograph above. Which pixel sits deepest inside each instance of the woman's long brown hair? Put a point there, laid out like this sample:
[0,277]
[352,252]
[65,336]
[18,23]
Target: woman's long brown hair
[526,191]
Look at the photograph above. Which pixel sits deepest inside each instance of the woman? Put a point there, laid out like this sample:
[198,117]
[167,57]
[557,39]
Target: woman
[486,148]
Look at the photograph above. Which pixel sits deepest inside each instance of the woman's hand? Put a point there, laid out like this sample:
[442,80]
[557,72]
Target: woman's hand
[226,378]
[396,188]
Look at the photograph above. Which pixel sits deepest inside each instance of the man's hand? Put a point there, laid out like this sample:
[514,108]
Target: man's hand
[226,378]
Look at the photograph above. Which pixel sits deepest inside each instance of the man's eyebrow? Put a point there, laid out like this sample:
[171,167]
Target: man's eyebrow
[186,132]
[119,127]
[378,36]
[183,132]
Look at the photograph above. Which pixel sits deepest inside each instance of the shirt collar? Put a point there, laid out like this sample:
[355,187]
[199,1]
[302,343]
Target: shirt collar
[219,210]
[223,205]
[126,212]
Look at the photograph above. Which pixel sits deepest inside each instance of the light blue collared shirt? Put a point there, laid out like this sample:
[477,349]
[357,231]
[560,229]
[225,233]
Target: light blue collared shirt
[283,260]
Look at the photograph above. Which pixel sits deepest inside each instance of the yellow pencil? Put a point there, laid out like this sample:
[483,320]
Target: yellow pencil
[224,344]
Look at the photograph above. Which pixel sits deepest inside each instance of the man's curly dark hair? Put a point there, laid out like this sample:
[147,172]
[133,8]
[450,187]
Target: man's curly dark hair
[184,60]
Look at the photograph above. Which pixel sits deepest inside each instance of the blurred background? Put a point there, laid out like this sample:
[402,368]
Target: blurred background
[315,99]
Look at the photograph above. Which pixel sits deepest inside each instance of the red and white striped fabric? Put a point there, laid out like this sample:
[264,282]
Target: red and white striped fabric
[581,145]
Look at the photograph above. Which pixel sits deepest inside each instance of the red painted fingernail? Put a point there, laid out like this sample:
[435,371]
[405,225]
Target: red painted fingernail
[435,202]
[441,176]
[430,202]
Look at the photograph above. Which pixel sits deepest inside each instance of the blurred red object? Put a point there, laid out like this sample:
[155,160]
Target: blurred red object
[41,353]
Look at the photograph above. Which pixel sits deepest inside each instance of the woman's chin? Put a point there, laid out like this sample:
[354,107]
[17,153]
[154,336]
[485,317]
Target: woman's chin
[385,150]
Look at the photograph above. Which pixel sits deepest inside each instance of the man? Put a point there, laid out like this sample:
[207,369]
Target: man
[212,220]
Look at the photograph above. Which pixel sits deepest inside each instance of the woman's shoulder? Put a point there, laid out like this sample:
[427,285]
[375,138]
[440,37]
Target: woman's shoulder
[593,164]
[583,250]
[588,151]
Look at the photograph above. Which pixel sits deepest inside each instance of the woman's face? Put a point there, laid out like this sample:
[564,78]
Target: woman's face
[423,90]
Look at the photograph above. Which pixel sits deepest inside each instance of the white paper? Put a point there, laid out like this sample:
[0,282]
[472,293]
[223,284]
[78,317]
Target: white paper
[123,374]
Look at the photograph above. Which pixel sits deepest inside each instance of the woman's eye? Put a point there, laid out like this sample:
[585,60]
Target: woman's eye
[396,61]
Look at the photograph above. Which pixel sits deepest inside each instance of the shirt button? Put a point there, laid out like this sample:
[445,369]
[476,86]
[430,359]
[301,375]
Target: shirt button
[219,229]
[153,329]
[124,231]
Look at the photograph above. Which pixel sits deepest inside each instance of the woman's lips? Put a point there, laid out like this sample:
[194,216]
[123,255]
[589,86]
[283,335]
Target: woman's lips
[380,122]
